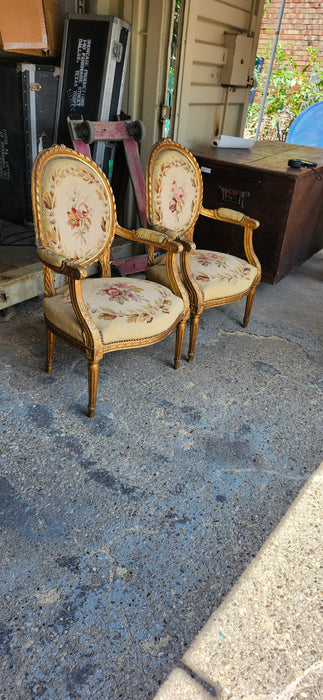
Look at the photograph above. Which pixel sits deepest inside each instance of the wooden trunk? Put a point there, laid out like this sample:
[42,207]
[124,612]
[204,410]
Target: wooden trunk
[288,202]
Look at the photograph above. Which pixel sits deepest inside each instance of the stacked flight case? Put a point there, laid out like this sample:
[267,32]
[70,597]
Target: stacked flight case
[36,99]
[27,113]
[93,67]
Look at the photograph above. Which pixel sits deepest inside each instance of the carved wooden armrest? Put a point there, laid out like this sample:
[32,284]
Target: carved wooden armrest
[186,243]
[168,240]
[176,236]
[48,257]
[231,216]
[75,270]
[172,246]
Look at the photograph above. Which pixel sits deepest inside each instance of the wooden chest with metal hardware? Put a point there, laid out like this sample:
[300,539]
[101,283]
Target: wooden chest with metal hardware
[287,201]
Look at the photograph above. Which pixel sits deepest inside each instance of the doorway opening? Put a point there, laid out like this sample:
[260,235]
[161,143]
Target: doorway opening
[173,61]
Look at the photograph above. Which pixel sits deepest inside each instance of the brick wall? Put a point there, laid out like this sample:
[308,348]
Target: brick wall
[302,26]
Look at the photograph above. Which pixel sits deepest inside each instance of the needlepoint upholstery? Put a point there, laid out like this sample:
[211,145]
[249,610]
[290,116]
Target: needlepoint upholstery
[219,275]
[75,209]
[122,309]
[75,224]
[174,188]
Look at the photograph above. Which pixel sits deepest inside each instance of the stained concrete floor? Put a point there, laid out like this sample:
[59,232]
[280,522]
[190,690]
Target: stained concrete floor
[122,534]
[264,641]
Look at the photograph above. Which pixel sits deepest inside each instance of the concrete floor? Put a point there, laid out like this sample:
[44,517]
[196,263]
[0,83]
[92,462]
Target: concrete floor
[264,641]
[122,534]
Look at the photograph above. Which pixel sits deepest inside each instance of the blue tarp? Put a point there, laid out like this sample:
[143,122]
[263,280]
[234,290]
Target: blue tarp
[307,129]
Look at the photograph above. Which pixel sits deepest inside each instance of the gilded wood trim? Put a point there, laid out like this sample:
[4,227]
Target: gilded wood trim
[195,293]
[105,264]
[141,342]
[92,337]
[239,219]
[50,347]
[248,308]
[228,300]
[173,246]
[180,333]
[65,336]
[39,166]
[115,345]
[195,320]
[177,285]
[93,375]
[250,253]
[48,282]
[170,145]
[248,225]
[230,216]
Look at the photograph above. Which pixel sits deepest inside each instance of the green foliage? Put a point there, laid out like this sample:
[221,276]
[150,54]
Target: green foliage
[291,89]
[266,6]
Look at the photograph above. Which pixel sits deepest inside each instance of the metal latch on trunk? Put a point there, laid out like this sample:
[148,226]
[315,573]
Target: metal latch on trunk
[233,196]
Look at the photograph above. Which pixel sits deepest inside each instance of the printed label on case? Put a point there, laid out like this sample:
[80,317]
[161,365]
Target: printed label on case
[4,153]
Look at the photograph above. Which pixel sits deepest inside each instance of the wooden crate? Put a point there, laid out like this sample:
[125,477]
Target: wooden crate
[258,181]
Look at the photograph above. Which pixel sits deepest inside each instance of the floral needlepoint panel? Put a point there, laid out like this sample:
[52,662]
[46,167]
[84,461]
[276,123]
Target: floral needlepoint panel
[220,274]
[76,209]
[175,192]
[121,309]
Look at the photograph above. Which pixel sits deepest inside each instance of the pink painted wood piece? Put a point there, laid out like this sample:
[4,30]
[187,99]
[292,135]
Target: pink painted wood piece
[117,131]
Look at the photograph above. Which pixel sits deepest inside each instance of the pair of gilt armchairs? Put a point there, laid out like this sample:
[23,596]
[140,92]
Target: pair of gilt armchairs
[75,224]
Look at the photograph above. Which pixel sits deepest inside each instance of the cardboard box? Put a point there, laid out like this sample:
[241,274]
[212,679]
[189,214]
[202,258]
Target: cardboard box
[31,27]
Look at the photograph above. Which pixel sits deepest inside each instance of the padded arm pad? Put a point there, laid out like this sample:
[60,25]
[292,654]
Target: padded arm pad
[48,257]
[60,264]
[162,240]
[234,216]
[176,236]
[231,216]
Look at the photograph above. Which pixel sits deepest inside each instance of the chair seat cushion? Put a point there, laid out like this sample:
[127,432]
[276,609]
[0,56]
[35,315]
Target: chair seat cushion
[123,309]
[218,275]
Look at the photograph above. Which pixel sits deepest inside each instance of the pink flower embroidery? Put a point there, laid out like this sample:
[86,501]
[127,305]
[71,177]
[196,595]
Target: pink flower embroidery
[82,210]
[73,219]
[77,217]
[114,292]
[177,201]
[122,292]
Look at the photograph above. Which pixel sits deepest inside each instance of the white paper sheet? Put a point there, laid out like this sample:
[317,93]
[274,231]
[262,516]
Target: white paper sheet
[232,142]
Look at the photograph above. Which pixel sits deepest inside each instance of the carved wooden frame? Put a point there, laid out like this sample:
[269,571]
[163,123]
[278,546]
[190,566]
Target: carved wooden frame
[246,224]
[76,270]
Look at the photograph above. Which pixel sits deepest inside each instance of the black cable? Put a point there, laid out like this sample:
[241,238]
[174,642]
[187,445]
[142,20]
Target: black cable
[297,163]
[317,175]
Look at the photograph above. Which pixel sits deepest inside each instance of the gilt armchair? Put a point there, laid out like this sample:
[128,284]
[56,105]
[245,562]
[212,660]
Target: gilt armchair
[174,190]
[75,223]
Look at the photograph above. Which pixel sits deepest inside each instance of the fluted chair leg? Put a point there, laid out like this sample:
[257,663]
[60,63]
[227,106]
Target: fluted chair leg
[193,336]
[180,332]
[93,372]
[248,308]
[50,346]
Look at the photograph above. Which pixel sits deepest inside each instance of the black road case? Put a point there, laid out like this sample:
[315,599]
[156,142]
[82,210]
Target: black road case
[28,94]
[94,61]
